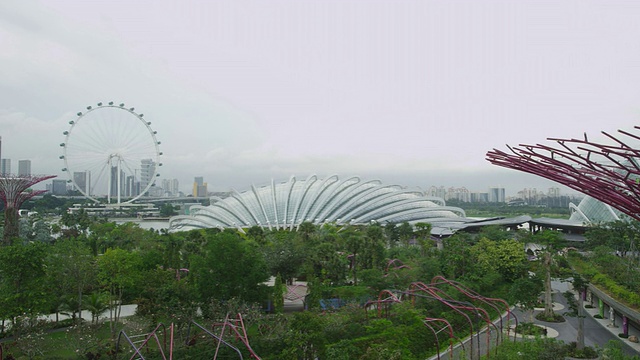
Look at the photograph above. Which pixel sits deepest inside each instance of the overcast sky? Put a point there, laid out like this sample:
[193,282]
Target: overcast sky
[240,92]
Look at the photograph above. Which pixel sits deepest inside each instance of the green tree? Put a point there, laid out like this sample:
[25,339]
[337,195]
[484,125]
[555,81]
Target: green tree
[580,285]
[550,241]
[621,236]
[167,210]
[391,231]
[307,229]
[256,233]
[75,223]
[353,242]
[373,251]
[506,257]
[306,339]
[456,255]
[71,269]
[230,267]
[22,280]
[495,233]
[96,303]
[423,232]
[284,255]
[525,292]
[165,298]
[117,271]
[405,233]
[326,264]
[278,295]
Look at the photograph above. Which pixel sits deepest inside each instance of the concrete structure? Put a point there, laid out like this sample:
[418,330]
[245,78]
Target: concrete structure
[82,180]
[171,187]
[147,172]
[24,167]
[497,195]
[5,166]
[58,187]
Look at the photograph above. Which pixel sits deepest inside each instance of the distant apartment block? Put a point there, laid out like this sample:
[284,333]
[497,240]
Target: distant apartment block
[479,197]
[434,191]
[5,166]
[497,195]
[82,179]
[171,187]
[147,171]
[58,187]
[24,167]
[459,194]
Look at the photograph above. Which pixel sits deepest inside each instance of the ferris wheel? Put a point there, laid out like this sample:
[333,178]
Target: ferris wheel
[111,154]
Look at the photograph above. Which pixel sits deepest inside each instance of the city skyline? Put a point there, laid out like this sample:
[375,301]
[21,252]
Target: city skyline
[170,184]
[412,93]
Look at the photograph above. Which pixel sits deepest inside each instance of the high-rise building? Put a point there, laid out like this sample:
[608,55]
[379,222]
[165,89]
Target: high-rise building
[554,192]
[24,167]
[114,182]
[479,197]
[440,192]
[497,195]
[82,180]
[147,170]
[170,187]
[59,187]
[5,166]
[199,187]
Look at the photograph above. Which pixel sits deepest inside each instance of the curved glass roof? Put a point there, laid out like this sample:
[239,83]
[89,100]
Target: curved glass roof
[286,205]
[591,211]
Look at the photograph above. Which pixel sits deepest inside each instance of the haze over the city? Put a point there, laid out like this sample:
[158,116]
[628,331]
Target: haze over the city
[240,92]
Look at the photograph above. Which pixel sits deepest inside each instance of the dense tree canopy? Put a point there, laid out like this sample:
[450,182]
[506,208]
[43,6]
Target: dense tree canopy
[204,274]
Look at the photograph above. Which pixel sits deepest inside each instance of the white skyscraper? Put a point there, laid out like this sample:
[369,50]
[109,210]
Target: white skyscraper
[147,169]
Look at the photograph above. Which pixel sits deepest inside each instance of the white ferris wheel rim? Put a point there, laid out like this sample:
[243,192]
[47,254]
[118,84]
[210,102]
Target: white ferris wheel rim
[145,134]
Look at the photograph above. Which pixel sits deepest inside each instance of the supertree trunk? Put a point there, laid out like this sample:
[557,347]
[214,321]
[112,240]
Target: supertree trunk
[11,225]
[13,193]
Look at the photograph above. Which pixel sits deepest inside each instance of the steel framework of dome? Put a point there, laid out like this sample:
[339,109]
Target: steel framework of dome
[607,172]
[288,204]
[593,211]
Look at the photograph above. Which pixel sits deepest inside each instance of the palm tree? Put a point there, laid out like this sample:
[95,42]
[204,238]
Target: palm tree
[96,304]
[307,228]
[69,306]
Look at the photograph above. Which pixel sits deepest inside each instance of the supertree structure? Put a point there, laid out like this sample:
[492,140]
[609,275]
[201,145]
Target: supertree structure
[607,172]
[13,193]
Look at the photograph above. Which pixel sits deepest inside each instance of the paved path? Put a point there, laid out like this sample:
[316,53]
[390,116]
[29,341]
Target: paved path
[127,310]
[596,331]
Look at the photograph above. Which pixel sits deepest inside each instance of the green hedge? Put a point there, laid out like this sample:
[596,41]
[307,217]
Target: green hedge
[604,282]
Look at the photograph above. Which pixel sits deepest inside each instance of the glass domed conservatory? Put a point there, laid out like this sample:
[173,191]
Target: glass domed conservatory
[593,211]
[287,204]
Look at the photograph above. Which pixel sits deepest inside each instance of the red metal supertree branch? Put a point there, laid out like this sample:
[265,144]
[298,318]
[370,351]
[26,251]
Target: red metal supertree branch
[607,172]
[13,193]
